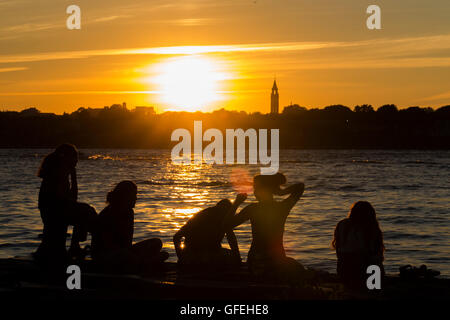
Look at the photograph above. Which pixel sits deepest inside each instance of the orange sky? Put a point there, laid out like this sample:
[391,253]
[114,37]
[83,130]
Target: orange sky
[203,54]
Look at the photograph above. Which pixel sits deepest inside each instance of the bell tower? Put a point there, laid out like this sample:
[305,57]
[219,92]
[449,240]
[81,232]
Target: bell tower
[274,98]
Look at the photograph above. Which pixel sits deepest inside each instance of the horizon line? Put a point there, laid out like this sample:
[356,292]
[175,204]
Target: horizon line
[228,110]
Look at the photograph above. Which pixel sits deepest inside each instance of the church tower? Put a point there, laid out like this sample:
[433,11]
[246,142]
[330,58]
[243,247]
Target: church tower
[274,98]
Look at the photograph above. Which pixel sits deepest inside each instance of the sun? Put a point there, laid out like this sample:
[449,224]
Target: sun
[189,83]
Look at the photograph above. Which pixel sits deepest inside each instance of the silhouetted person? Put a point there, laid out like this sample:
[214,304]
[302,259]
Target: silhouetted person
[203,235]
[112,240]
[59,207]
[358,241]
[267,257]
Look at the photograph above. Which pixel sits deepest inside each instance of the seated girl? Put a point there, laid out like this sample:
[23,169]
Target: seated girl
[358,242]
[203,235]
[112,241]
[267,258]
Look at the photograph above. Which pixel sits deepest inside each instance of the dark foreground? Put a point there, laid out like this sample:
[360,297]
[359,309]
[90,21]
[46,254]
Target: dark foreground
[23,279]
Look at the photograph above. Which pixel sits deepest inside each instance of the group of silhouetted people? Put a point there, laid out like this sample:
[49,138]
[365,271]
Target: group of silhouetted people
[112,230]
[358,239]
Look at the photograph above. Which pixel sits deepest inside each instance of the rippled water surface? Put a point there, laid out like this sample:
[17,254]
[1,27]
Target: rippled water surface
[409,189]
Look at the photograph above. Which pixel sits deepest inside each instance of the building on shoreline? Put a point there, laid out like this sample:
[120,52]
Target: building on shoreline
[274,99]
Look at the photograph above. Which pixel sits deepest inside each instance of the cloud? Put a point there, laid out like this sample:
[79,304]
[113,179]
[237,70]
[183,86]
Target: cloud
[190,22]
[107,92]
[12,69]
[58,93]
[16,31]
[27,27]
[109,18]
[378,53]
[438,97]
[9,3]
[175,50]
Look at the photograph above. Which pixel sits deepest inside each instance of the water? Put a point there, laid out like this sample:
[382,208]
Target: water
[410,191]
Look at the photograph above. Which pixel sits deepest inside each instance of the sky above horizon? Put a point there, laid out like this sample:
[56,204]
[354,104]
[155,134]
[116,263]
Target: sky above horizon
[203,55]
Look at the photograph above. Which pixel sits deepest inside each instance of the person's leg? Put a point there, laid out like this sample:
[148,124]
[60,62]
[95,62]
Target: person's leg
[53,245]
[188,257]
[150,249]
[119,262]
[82,216]
[292,271]
[259,266]
[226,258]
[353,271]
[149,246]
[149,253]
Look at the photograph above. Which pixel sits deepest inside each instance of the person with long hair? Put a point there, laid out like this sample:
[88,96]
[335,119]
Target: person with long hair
[112,241]
[267,257]
[59,207]
[203,235]
[358,242]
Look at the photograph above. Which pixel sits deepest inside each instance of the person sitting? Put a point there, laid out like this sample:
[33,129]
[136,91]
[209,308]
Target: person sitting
[112,241]
[267,257]
[358,242]
[59,207]
[203,235]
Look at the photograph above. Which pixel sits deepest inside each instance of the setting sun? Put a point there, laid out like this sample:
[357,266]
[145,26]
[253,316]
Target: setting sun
[189,83]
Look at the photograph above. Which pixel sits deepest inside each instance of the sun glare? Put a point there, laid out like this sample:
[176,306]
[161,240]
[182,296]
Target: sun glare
[189,83]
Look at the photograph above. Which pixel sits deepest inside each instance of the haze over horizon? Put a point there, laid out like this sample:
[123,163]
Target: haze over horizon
[204,54]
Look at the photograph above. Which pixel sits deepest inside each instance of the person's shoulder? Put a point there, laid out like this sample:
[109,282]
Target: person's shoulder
[202,214]
[197,218]
[105,213]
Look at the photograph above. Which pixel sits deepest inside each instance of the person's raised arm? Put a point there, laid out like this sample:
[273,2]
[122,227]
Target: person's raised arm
[241,217]
[240,198]
[295,191]
[228,221]
[228,224]
[233,219]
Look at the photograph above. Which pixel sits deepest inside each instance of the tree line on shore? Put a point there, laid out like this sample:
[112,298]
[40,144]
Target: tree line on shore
[333,127]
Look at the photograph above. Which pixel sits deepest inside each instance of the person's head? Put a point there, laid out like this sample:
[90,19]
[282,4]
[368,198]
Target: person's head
[63,160]
[68,154]
[223,206]
[124,195]
[362,213]
[363,217]
[265,186]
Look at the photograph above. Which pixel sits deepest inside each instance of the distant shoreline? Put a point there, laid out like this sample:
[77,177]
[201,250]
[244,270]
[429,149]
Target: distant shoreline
[168,149]
[334,127]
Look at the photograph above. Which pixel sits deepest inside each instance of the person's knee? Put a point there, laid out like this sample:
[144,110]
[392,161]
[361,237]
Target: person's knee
[163,256]
[87,210]
[291,262]
[86,216]
[156,243]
